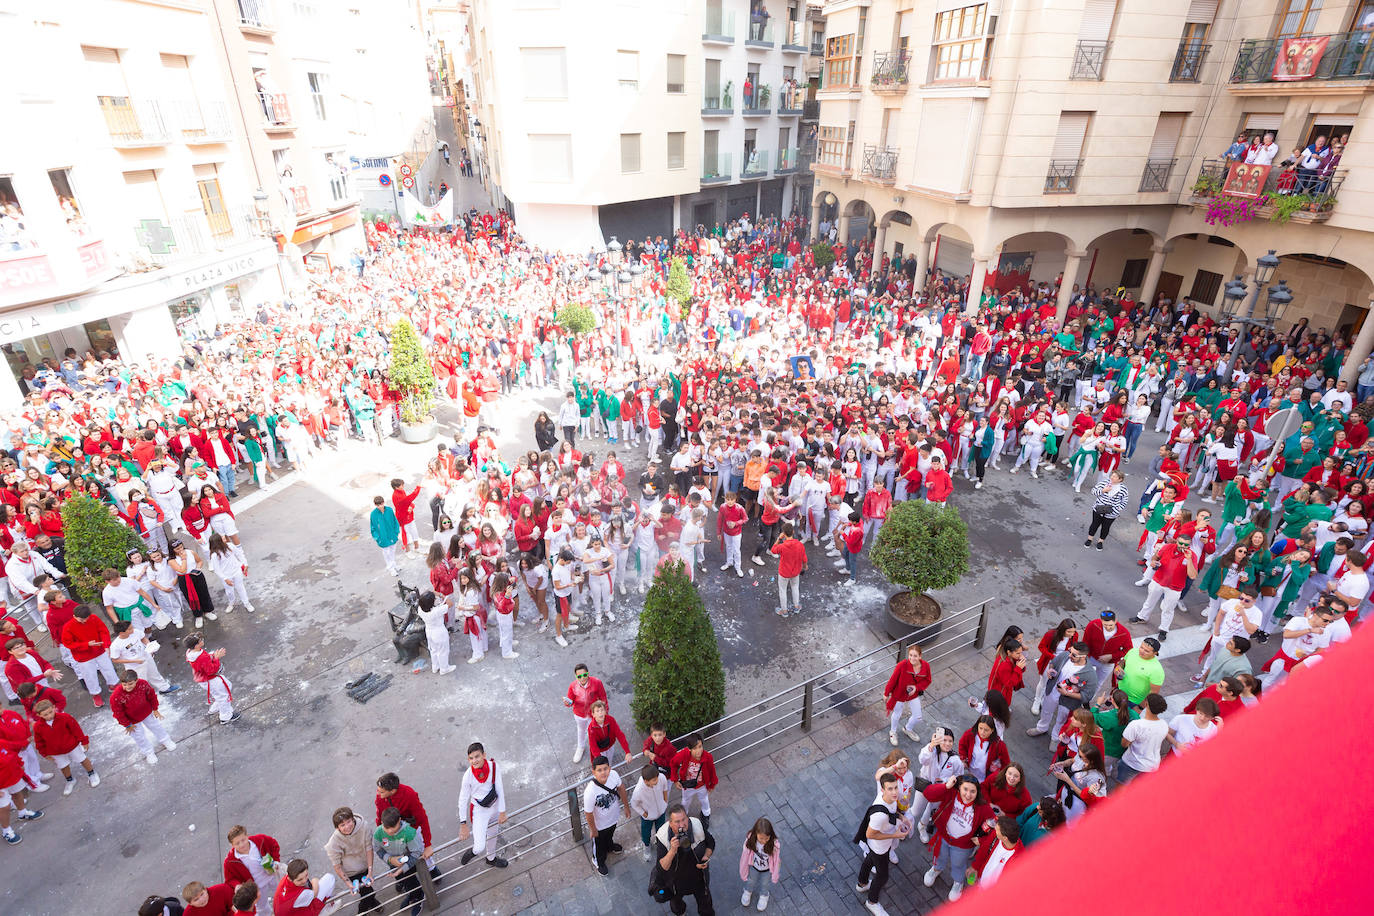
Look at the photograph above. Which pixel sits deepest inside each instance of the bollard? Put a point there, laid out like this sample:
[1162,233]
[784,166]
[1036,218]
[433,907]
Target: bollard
[808,703]
[575,813]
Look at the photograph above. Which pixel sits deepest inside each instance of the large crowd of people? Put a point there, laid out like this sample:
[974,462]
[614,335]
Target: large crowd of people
[780,414]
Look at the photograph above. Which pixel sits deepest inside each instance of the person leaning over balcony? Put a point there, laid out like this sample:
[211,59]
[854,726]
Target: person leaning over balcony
[1236,151]
[1313,159]
[1264,152]
[1328,168]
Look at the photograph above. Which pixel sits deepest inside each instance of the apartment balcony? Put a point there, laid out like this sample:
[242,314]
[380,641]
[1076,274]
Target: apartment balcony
[1062,176]
[755,165]
[276,111]
[758,103]
[1089,60]
[1188,62]
[789,161]
[716,103]
[1157,175]
[719,28]
[199,123]
[891,71]
[132,123]
[879,163]
[715,168]
[791,99]
[811,110]
[1282,197]
[760,34]
[818,48]
[191,234]
[255,17]
[794,40]
[1345,67]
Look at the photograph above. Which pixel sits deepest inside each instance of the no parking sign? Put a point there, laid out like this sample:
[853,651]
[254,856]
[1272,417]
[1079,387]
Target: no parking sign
[384,180]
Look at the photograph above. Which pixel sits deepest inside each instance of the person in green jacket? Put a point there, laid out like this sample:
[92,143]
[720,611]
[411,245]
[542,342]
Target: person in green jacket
[1231,569]
[1157,514]
[1112,718]
[1038,821]
[609,407]
[1208,398]
[386,531]
[1286,576]
[1239,500]
[585,400]
[1300,455]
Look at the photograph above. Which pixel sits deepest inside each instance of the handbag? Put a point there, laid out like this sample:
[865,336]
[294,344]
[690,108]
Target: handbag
[1227,592]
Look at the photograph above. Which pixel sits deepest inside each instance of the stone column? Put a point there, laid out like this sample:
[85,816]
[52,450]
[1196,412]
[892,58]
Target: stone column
[1152,272]
[879,240]
[1073,260]
[975,283]
[815,216]
[1364,342]
[922,264]
[843,229]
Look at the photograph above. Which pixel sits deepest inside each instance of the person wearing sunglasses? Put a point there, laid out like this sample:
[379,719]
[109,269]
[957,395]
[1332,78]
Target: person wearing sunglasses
[582,693]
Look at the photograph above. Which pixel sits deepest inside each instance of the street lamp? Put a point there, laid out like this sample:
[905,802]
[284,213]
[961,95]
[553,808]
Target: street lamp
[615,252]
[637,273]
[1265,267]
[1277,300]
[1233,296]
[592,275]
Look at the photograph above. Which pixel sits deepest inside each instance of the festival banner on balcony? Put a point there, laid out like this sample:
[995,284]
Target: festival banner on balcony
[414,213]
[1012,273]
[1244,180]
[1298,57]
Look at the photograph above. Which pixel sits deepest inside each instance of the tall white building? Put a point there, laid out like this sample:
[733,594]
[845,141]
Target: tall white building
[635,118]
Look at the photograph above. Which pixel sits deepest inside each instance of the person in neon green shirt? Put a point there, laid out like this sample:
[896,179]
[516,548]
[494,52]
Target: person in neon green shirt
[1140,673]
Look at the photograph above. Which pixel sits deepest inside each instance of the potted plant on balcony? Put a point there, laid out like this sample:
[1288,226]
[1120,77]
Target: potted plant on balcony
[1207,186]
[412,375]
[920,548]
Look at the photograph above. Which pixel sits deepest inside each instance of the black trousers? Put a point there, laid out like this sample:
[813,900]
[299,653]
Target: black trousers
[367,897]
[1100,525]
[602,843]
[875,864]
[767,535]
[409,884]
[570,435]
[979,462]
[677,903]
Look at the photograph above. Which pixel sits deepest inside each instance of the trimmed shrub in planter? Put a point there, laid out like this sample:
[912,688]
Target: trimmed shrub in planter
[678,677]
[95,540]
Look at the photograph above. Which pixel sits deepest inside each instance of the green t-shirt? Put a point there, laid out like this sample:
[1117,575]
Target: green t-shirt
[1111,730]
[1137,675]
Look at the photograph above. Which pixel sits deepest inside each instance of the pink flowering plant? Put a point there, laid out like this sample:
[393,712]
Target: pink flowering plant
[1228,210]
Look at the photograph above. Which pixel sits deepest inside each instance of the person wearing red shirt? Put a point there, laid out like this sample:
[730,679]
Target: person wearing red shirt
[135,706]
[301,895]
[1006,790]
[996,850]
[392,793]
[256,858]
[582,694]
[1108,642]
[24,666]
[982,750]
[694,770]
[730,522]
[1173,566]
[404,504]
[850,540]
[938,484]
[960,816]
[659,748]
[791,554]
[877,503]
[902,693]
[57,736]
[30,694]
[215,900]
[603,733]
[88,640]
[1225,693]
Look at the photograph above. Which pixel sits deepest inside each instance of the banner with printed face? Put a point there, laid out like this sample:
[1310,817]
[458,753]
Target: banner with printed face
[1298,57]
[1244,180]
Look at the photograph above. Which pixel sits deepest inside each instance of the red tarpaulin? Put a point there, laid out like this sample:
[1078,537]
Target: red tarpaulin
[1266,818]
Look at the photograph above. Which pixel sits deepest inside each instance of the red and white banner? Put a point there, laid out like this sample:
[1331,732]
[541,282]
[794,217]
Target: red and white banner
[1298,57]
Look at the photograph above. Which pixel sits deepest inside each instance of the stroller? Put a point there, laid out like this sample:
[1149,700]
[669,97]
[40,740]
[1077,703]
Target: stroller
[407,629]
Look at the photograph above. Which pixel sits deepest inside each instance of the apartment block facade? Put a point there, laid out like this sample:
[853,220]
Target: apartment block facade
[1088,137]
[169,166]
[635,118]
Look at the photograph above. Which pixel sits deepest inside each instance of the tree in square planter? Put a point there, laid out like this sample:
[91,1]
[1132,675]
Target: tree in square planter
[921,548]
[678,677]
[412,376]
[679,286]
[95,541]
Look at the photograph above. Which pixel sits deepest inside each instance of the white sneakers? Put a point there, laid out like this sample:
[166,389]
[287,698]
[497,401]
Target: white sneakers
[150,757]
[512,655]
[928,879]
[876,909]
[610,617]
[93,778]
[249,608]
[169,745]
[955,890]
[227,610]
[912,735]
[561,641]
[67,789]
[763,903]
[892,738]
[577,757]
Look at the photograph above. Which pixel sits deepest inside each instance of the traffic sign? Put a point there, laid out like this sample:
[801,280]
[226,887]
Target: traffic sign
[384,179]
[406,170]
[408,182]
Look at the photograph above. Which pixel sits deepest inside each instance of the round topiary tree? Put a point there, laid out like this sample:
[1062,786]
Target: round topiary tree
[95,540]
[823,254]
[411,373]
[576,319]
[679,285]
[678,678]
[921,547]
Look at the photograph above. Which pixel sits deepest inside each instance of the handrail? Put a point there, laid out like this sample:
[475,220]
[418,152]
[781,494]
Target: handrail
[564,805]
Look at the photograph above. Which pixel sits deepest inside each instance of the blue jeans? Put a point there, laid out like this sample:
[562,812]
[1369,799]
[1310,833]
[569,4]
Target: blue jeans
[1133,431]
[1363,391]
[953,861]
[228,478]
[758,882]
[851,560]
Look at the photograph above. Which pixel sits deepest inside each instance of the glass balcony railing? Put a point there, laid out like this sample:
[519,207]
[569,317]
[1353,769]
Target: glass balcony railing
[760,33]
[794,37]
[715,168]
[755,164]
[791,97]
[757,99]
[199,122]
[789,161]
[719,27]
[1346,56]
[717,101]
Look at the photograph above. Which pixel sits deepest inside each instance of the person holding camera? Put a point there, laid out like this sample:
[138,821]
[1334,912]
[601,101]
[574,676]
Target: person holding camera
[683,848]
[605,804]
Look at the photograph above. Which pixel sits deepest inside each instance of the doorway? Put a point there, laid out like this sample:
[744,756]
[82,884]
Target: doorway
[1169,285]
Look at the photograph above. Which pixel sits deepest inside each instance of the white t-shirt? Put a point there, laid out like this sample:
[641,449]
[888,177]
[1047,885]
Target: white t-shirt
[960,823]
[1354,585]
[1188,733]
[1147,736]
[1306,642]
[604,805]
[1233,617]
[992,869]
[880,822]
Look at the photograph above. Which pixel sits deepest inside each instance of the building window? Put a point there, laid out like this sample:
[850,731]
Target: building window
[627,69]
[959,42]
[546,72]
[1206,285]
[15,234]
[61,180]
[318,82]
[1297,17]
[212,204]
[839,61]
[629,153]
[337,172]
[1133,273]
[677,73]
[677,150]
[551,156]
[832,142]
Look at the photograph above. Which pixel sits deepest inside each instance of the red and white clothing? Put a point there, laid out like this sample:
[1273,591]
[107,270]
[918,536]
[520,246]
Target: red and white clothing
[292,899]
[206,669]
[580,697]
[133,708]
[903,693]
[481,800]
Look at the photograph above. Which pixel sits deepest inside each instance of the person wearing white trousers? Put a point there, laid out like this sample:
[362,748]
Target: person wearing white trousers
[93,669]
[481,802]
[227,561]
[436,633]
[1033,435]
[1166,585]
[598,562]
[939,762]
[131,650]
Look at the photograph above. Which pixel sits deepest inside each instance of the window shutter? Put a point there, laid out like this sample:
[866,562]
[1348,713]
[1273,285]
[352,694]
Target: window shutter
[1263,121]
[1202,11]
[1167,131]
[106,75]
[1097,20]
[1068,141]
[144,199]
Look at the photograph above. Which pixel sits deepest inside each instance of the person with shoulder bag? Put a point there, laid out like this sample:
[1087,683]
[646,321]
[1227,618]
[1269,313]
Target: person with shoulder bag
[682,851]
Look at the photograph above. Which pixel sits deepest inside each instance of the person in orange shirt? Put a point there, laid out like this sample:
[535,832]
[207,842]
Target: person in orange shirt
[753,476]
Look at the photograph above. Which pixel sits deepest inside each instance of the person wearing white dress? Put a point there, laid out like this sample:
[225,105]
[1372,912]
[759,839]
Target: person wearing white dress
[433,612]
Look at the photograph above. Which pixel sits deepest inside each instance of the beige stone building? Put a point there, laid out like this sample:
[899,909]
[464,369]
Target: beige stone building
[1087,137]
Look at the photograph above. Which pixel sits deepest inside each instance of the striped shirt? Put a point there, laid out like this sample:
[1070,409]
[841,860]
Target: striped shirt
[1109,499]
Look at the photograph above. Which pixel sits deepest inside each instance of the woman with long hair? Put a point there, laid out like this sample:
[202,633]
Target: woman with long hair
[1083,781]
[191,581]
[939,761]
[228,562]
[1038,821]
[981,750]
[960,815]
[1006,790]
[760,863]
[468,602]
[1055,641]
[214,506]
[1112,720]
[536,577]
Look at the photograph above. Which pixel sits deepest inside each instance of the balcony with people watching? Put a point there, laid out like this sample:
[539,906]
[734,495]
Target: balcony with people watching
[1302,186]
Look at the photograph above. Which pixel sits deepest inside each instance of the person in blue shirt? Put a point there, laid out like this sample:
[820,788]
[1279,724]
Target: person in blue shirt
[386,531]
[1236,151]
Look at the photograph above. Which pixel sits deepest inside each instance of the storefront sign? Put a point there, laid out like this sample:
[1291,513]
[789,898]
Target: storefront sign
[325,226]
[26,278]
[218,273]
[94,258]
